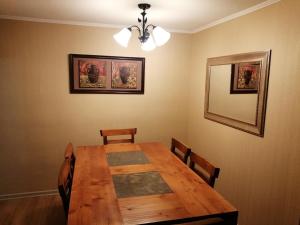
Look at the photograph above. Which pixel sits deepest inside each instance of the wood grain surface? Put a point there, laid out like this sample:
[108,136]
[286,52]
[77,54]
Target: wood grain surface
[38,210]
[94,200]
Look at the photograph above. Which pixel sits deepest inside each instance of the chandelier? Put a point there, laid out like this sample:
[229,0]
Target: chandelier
[150,35]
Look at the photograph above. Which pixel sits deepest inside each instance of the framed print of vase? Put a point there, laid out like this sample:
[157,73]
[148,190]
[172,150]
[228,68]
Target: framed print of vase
[100,74]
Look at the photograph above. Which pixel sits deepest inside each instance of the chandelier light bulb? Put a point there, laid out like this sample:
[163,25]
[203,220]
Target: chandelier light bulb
[123,37]
[160,35]
[149,44]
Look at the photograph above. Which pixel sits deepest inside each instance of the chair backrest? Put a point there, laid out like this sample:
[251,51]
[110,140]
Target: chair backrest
[118,132]
[65,184]
[206,171]
[185,151]
[69,154]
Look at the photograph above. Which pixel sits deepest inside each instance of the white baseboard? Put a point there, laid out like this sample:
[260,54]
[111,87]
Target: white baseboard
[28,194]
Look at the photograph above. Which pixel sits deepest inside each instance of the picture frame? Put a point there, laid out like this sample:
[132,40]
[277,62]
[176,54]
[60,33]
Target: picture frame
[243,112]
[99,74]
[245,77]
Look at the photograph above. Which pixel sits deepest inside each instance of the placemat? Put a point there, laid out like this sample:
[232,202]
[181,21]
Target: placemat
[140,184]
[126,158]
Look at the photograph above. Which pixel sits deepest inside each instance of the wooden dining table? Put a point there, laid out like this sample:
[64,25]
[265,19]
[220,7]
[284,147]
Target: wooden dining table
[140,183]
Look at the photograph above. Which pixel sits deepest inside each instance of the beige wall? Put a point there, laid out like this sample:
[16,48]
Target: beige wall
[39,117]
[260,176]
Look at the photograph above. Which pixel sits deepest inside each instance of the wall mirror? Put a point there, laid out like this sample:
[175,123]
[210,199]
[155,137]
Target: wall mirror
[236,90]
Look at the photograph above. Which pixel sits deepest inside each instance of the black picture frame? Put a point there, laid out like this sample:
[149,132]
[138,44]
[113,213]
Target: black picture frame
[100,74]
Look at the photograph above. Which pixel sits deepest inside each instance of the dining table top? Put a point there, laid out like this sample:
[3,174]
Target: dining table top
[141,183]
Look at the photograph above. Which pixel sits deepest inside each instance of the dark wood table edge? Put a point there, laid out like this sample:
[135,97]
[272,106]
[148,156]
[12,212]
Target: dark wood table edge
[230,218]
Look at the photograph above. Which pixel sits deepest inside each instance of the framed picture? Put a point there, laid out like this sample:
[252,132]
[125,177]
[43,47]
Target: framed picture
[245,77]
[106,74]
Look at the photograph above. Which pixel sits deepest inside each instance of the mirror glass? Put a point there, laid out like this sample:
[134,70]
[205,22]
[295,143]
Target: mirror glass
[236,87]
[221,102]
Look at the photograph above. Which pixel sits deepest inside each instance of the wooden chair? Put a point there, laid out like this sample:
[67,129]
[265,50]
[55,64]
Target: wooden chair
[118,132]
[185,151]
[69,154]
[207,171]
[65,184]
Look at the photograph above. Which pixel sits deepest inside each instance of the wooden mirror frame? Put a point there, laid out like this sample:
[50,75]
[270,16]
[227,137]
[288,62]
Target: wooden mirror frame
[258,127]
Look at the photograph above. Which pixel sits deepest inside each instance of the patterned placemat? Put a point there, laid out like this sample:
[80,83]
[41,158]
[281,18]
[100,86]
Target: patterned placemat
[140,184]
[126,158]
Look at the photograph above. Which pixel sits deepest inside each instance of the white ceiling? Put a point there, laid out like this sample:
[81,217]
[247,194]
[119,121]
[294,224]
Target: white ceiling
[173,15]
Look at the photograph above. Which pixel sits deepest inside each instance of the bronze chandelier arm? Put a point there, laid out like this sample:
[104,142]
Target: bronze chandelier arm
[150,25]
[136,27]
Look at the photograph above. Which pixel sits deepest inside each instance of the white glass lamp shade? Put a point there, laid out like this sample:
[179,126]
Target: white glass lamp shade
[123,37]
[149,44]
[160,35]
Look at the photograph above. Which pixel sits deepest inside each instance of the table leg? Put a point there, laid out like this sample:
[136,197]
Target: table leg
[230,218]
